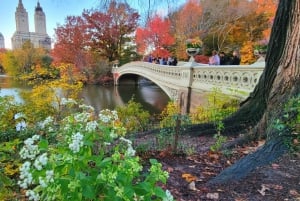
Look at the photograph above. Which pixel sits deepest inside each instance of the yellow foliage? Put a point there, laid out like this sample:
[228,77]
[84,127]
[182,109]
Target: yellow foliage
[70,73]
[168,113]
[247,51]
[11,169]
[219,105]
[44,100]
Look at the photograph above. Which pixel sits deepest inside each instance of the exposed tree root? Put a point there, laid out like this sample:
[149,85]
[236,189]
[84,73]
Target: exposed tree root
[272,150]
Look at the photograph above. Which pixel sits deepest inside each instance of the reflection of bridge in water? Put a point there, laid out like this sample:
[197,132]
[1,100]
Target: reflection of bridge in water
[186,83]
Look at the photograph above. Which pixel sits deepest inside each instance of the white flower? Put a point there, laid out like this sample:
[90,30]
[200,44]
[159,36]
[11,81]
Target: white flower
[30,150]
[19,115]
[21,125]
[42,182]
[25,175]
[107,115]
[32,195]
[41,161]
[48,121]
[112,134]
[76,142]
[130,151]
[82,117]
[169,196]
[49,176]
[126,140]
[86,107]
[65,101]
[91,126]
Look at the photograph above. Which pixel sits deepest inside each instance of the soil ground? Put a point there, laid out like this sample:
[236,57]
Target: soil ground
[189,175]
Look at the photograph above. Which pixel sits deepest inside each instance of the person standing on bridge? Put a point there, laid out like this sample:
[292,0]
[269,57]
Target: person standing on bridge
[236,59]
[214,59]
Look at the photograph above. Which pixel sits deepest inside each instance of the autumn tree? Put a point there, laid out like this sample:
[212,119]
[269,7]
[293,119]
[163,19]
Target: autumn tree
[264,108]
[110,30]
[268,8]
[71,43]
[25,60]
[156,36]
[187,23]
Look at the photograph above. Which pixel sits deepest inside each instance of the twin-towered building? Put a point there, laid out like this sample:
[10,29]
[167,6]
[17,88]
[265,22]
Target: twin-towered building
[39,38]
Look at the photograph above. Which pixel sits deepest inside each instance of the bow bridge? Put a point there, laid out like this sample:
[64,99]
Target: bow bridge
[187,82]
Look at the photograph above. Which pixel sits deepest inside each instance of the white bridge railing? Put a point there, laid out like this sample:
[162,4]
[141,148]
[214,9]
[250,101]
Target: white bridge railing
[237,79]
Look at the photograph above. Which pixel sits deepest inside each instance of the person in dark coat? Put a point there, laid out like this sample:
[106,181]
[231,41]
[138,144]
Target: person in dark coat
[224,60]
[236,59]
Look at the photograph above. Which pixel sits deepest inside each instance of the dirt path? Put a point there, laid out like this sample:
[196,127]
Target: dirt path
[279,181]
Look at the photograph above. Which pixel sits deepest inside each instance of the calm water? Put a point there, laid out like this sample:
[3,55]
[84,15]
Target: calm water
[151,97]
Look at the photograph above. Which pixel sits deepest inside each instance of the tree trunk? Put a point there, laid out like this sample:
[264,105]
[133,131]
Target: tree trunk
[279,82]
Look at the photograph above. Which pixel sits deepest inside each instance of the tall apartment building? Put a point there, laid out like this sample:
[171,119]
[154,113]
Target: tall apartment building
[39,38]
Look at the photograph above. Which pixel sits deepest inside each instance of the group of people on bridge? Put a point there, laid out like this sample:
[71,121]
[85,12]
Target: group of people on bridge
[223,59]
[215,59]
[171,60]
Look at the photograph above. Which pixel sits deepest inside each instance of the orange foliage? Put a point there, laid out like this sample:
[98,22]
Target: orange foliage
[187,26]
[247,53]
[157,35]
[269,8]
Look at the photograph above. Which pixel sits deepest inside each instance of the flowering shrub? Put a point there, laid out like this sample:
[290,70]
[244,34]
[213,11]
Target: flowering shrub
[90,161]
[194,43]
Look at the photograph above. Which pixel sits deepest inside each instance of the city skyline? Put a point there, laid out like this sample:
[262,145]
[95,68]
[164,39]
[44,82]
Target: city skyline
[55,11]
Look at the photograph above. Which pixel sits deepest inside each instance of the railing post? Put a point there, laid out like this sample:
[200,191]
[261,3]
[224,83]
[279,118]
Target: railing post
[115,72]
[185,93]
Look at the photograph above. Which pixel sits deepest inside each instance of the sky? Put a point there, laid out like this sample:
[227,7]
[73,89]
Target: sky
[55,10]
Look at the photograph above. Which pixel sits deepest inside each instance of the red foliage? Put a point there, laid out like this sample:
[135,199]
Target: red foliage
[157,35]
[110,30]
[70,43]
[202,59]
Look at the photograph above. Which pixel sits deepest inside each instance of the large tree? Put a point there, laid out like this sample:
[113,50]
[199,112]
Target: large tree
[157,35]
[279,82]
[110,29]
[71,42]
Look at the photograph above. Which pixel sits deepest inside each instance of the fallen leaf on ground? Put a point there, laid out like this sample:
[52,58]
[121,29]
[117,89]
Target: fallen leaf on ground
[293,192]
[188,177]
[192,186]
[170,169]
[275,166]
[263,189]
[213,196]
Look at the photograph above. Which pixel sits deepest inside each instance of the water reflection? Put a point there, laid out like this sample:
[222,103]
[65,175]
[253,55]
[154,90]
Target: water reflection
[100,97]
[8,87]
[151,97]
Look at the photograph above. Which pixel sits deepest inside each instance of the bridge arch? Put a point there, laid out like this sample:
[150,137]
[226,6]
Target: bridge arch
[184,83]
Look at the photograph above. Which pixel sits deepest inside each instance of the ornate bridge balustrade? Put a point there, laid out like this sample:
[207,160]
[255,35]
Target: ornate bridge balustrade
[238,79]
[186,83]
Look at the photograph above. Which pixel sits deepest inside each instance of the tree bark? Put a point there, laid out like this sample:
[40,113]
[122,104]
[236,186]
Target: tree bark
[279,82]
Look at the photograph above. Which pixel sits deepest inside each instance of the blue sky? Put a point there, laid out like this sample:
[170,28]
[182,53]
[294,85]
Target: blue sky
[56,11]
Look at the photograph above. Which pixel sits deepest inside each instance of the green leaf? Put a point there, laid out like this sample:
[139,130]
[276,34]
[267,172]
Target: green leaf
[4,180]
[88,191]
[153,161]
[43,145]
[142,188]
[104,162]
[159,192]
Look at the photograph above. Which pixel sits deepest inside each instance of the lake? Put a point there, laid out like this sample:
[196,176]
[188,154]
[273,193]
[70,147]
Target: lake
[152,98]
